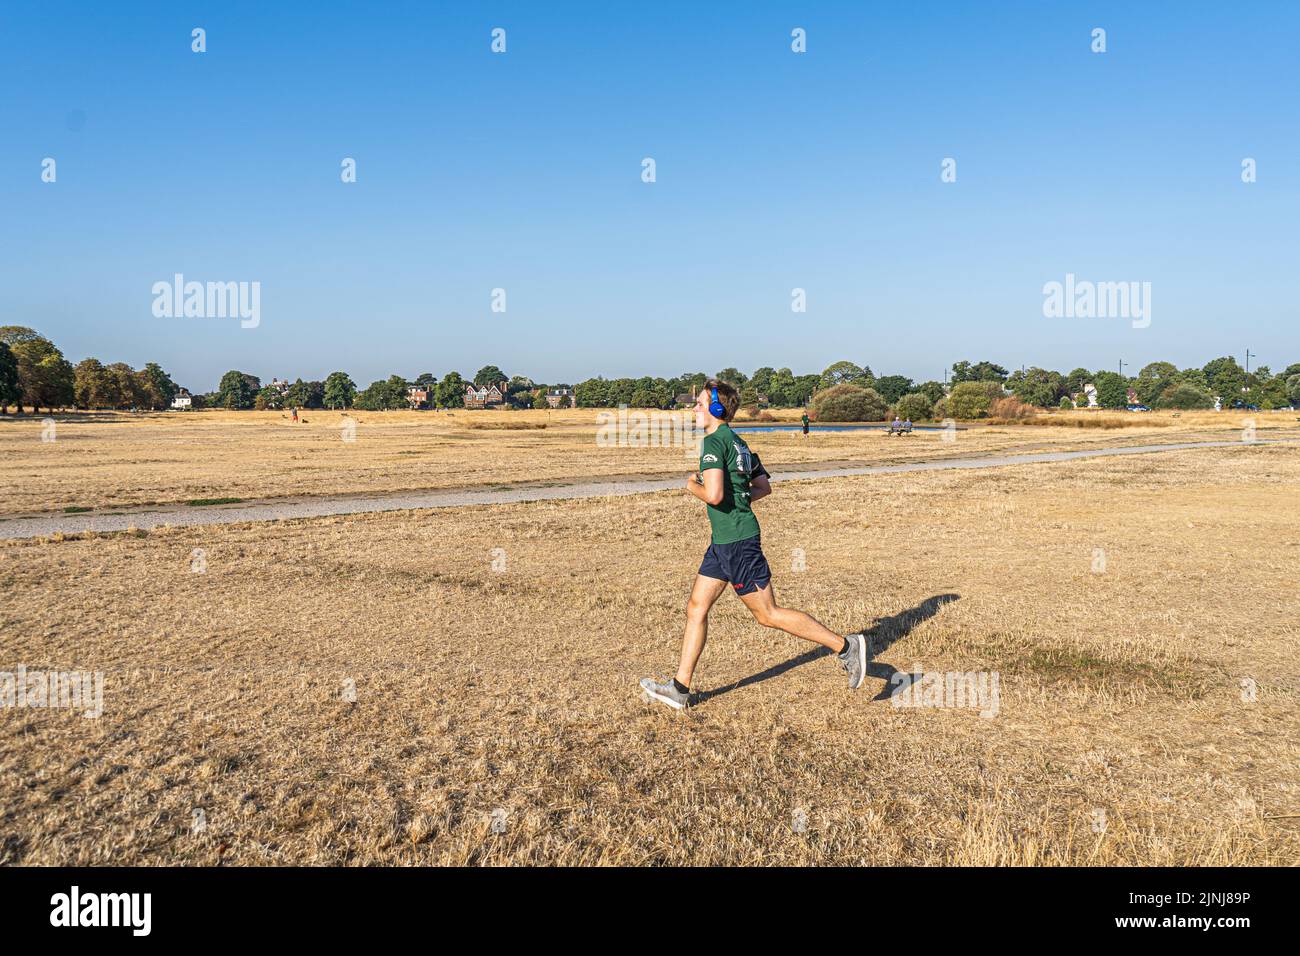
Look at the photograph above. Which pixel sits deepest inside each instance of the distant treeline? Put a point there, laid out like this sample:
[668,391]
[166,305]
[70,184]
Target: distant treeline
[34,374]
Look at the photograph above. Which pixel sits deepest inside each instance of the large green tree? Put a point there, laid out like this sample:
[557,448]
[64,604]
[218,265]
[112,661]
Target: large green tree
[1293,389]
[238,390]
[158,387]
[592,393]
[1037,386]
[45,378]
[915,406]
[781,388]
[1154,378]
[127,388]
[978,372]
[490,375]
[384,395]
[1185,395]
[893,387]
[340,391]
[1266,390]
[1112,389]
[305,395]
[849,403]
[10,392]
[91,384]
[932,390]
[1226,378]
[844,373]
[762,379]
[268,398]
[970,399]
[519,392]
[450,392]
[804,388]
[691,380]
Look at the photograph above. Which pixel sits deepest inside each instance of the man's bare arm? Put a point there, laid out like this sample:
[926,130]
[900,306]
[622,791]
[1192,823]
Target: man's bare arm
[710,489]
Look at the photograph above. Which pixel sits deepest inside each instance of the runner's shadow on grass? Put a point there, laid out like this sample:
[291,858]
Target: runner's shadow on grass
[880,635]
[888,631]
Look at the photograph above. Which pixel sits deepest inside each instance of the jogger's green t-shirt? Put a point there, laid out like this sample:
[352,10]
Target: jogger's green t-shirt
[731,519]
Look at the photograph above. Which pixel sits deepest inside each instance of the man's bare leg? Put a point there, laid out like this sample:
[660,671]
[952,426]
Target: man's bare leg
[704,594]
[762,604]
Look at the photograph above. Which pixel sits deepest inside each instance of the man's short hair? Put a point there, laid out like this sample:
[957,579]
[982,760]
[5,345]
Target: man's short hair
[727,395]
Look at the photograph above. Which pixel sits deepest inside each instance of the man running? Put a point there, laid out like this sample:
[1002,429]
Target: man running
[730,479]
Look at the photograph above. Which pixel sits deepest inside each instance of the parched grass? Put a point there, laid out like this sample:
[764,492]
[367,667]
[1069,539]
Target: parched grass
[121,460]
[1083,419]
[504,425]
[1085,667]
[459,686]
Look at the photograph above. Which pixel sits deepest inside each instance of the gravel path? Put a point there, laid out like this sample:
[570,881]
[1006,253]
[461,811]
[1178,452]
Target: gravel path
[275,510]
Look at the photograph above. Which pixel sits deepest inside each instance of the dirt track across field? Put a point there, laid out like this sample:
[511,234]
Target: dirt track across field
[281,509]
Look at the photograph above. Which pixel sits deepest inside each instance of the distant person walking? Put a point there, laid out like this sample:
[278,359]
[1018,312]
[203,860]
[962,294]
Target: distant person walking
[805,424]
[295,413]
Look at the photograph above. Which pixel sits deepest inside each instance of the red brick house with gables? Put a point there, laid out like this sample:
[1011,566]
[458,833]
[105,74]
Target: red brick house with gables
[492,395]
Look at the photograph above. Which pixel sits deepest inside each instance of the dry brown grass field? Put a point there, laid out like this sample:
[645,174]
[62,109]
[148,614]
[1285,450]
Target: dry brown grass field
[120,460]
[1148,708]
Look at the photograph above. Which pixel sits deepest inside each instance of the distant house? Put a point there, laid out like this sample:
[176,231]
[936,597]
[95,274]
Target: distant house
[183,399]
[419,396]
[280,385]
[492,395]
[559,397]
[685,399]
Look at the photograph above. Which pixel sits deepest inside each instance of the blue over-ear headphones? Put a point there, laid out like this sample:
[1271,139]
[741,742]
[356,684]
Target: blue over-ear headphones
[716,408]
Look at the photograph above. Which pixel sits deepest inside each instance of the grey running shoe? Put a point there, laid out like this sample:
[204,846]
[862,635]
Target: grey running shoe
[664,693]
[854,659]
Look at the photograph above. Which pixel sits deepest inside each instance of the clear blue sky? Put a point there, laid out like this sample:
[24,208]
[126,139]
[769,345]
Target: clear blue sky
[775,170]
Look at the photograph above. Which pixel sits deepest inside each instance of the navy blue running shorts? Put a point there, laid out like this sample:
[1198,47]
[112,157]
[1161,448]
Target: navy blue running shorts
[740,563]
